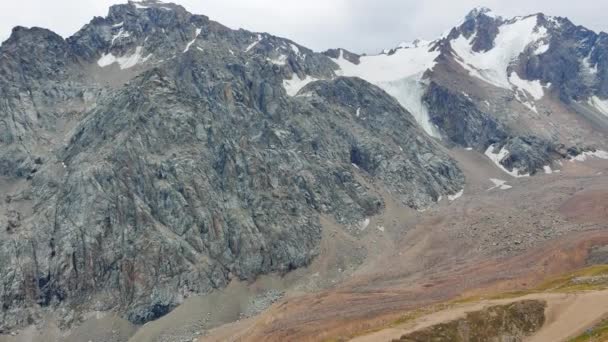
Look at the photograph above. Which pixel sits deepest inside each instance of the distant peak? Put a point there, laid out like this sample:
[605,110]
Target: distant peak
[481,11]
[413,44]
[143,4]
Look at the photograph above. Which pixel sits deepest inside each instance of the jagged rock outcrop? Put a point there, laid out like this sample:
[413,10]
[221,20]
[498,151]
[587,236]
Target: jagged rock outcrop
[494,81]
[460,120]
[163,156]
[158,154]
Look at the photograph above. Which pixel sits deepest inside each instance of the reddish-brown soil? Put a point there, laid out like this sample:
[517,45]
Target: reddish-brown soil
[486,242]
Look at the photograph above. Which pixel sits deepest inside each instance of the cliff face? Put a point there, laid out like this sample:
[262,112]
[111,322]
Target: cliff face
[156,154]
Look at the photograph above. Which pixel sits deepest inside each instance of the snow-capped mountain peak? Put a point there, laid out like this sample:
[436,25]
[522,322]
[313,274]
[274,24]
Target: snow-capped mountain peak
[481,11]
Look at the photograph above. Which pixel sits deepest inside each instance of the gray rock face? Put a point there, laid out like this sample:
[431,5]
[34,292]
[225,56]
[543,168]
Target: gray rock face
[567,64]
[460,120]
[483,26]
[349,56]
[198,170]
[530,154]
[410,150]
[569,68]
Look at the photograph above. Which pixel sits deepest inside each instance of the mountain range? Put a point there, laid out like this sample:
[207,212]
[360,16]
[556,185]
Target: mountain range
[156,154]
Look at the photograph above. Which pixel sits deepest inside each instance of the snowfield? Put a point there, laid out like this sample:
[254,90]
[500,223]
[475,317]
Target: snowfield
[513,38]
[400,75]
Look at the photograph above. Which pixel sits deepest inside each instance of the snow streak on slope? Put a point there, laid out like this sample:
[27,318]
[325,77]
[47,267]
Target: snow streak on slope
[294,85]
[492,66]
[400,75]
[198,32]
[534,88]
[590,154]
[498,157]
[599,104]
[125,62]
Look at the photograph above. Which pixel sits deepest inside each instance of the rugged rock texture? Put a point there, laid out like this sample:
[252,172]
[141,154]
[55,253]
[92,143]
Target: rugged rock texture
[460,120]
[575,63]
[156,154]
[533,82]
[337,53]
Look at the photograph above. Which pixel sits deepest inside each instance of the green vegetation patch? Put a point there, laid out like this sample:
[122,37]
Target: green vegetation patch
[503,322]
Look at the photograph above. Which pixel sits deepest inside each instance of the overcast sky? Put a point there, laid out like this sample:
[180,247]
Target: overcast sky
[357,25]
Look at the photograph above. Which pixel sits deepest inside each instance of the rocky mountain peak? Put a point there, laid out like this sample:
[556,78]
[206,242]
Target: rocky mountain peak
[33,36]
[480,11]
[190,154]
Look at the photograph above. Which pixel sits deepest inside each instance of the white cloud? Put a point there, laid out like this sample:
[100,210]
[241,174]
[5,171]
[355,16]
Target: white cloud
[358,25]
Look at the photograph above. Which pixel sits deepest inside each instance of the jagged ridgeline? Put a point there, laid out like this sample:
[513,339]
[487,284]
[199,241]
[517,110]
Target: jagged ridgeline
[157,154]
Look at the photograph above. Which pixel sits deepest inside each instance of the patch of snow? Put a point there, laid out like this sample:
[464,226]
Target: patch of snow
[542,48]
[555,22]
[591,69]
[400,75]
[125,62]
[534,88]
[599,104]
[439,199]
[198,32]
[469,149]
[138,6]
[383,68]
[491,66]
[119,24]
[231,52]
[456,195]
[282,60]
[363,224]
[295,49]
[496,158]
[294,85]
[121,34]
[586,155]
[380,228]
[414,44]
[281,133]
[548,170]
[199,48]
[483,10]
[358,112]
[409,92]
[252,45]
[521,97]
[500,184]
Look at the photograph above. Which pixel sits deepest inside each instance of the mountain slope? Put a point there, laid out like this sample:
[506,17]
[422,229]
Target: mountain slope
[492,81]
[157,154]
[177,160]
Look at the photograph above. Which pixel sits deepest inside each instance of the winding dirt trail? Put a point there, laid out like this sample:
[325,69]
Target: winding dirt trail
[567,316]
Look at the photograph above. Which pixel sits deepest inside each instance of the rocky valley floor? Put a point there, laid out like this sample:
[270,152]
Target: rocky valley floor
[492,239]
